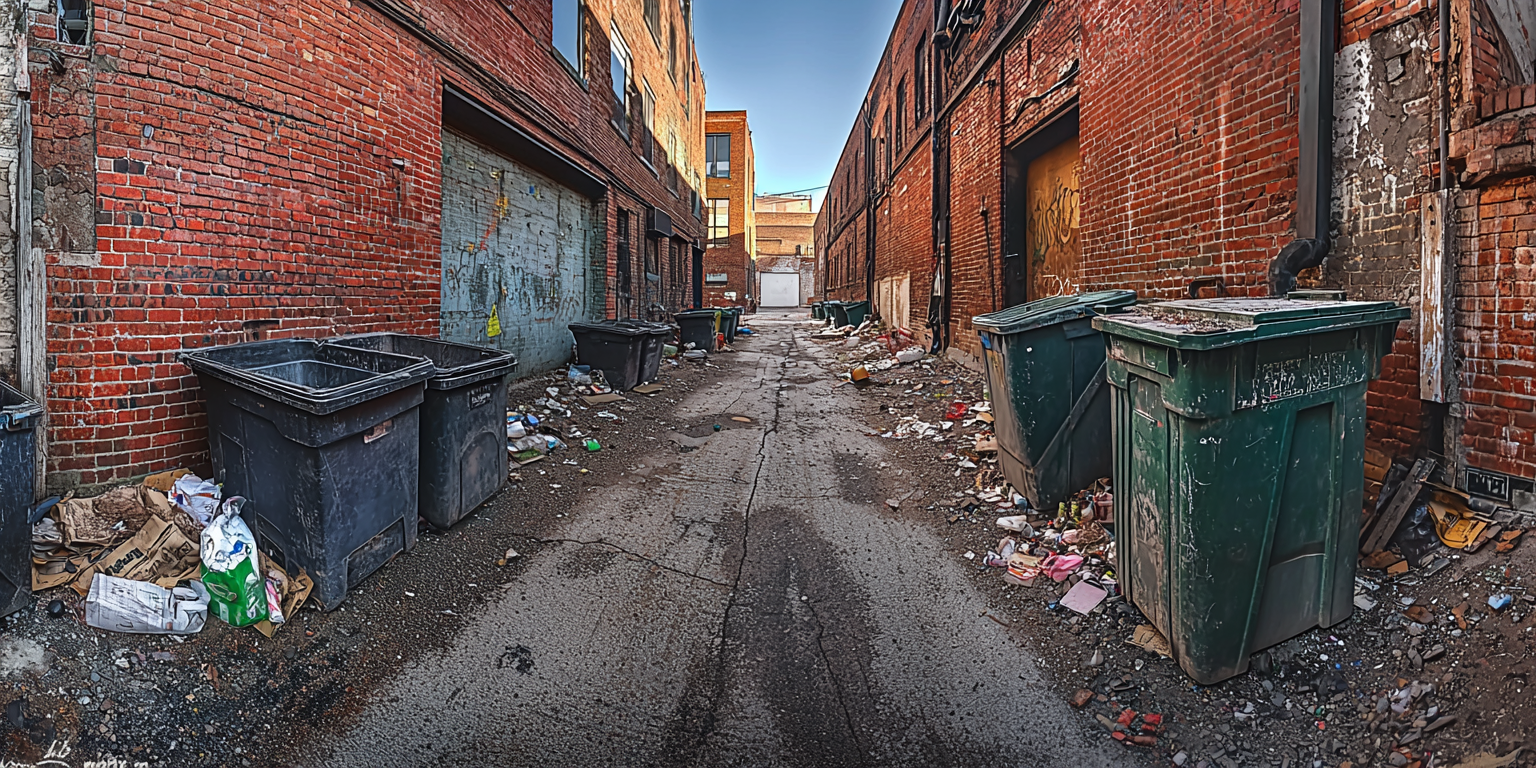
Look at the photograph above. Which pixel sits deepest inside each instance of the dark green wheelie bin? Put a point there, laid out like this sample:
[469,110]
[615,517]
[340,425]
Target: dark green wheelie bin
[854,312]
[1239,439]
[816,310]
[836,312]
[1045,370]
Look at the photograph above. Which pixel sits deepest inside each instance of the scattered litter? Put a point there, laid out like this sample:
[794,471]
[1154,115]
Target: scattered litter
[124,605]
[1148,638]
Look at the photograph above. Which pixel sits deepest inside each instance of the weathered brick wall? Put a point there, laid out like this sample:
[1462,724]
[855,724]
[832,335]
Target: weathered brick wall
[1188,143]
[1385,129]
[229,171]
[975,185]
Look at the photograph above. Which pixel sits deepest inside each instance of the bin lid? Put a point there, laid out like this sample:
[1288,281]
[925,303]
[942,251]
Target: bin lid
[696,313]
[363,374]
[1222,322]
[1056,309]
[615,327]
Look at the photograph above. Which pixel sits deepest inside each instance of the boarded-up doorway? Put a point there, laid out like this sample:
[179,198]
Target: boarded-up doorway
[518,255]
[893,297]
[1042,250]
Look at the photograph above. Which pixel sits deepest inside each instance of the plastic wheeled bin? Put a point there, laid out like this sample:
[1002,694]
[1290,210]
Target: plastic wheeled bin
[816,310]
[19,417]
[698,327]
[463,421]
[1239,436]
[1045,371]
[323,441]
[853,312]
[628,352]
[730,320]
[832,310]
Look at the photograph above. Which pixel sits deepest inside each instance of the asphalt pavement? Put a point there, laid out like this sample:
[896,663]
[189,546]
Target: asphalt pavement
[756,603]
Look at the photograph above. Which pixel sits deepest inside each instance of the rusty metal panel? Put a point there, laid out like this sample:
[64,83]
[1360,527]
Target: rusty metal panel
[521,256]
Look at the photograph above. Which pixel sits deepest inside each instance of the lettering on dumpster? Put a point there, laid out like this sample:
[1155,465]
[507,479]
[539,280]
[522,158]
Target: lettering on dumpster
[1282,379]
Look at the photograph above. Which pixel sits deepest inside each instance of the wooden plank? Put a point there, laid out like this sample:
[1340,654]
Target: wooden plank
[1401,501]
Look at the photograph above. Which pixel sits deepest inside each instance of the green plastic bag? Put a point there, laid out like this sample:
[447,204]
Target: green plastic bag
[236,591]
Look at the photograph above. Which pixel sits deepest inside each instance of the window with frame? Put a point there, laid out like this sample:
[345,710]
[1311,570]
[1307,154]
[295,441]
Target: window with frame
[901,117]
[565,34]
[719,222]
[624,268]
[648,119]
[619,67]
[717,155]
[920,78]
[653,18]
[886,132]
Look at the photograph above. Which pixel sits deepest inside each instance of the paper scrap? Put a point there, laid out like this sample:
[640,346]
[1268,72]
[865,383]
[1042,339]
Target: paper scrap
[125,605]
[1083,597]
[158,554]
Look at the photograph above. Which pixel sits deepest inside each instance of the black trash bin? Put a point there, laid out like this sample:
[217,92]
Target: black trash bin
[18,418]
[463,421]
[324,442]
[697,326]
[628,352]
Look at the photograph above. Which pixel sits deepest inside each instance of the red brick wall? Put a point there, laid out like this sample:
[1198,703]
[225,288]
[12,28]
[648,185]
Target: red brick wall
[1496,327]
[975,183]
[734,258]
[267,171]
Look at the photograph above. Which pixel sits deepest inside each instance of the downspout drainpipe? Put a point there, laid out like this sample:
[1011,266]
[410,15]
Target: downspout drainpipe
[1314,177]
[1445,113]
[938,316]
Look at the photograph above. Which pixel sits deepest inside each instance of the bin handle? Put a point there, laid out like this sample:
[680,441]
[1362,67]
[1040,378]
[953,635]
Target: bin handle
[1207,282]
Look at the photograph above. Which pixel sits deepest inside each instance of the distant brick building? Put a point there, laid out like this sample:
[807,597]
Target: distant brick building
[730,177]
[786,242]
[208,174]
[1014,149]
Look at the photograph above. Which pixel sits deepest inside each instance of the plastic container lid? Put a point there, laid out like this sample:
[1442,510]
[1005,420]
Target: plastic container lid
[310,375]
[1056,309]
[1222,322]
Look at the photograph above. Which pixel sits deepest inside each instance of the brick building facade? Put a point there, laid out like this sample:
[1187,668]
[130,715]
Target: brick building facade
[216,173]
[730,274]
[786,240]
[1065,145]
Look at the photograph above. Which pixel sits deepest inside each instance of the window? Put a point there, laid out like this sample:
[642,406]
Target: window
[920,78]
[566,34]
[719,221]
[672,54]
[653,19]
[901,116]
[648,119]
[623,276]
[886,121]
[717,155]
[619,69]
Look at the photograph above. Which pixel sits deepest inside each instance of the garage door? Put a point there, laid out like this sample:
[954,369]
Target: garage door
[518,252]
[780,289]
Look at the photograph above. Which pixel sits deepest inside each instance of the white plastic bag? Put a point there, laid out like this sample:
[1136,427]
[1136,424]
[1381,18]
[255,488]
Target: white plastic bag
[197,497]
[124,605]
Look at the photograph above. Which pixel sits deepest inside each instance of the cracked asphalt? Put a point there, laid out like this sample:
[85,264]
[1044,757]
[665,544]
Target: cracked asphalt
[755,603]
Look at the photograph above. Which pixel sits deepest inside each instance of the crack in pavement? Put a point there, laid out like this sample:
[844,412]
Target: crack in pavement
[837,684]
[637,555]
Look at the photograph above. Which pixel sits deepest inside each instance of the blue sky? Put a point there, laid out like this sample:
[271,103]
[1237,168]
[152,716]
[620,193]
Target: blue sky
[800,68]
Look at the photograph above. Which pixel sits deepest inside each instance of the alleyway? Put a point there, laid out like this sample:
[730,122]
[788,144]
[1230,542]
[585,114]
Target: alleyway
[754,604]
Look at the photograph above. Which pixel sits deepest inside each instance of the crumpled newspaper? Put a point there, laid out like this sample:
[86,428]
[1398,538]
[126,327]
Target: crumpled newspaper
[125,605]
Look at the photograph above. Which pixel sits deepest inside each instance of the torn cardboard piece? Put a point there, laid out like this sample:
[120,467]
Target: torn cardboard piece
[648,389]
[610,397]
[1148,638]
[294,591]
[159,553]
[124,605]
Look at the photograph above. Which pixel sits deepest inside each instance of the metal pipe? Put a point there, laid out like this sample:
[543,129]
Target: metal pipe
[1445,102]
[1314,175]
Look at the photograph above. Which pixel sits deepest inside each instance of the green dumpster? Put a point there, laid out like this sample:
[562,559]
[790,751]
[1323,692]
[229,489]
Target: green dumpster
[836,311]
[1239,439]
[853,312]
[1045,371]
